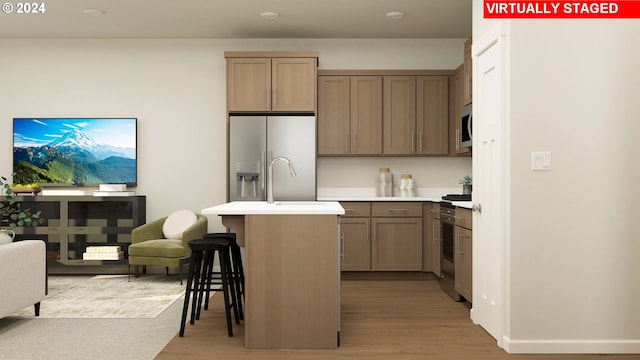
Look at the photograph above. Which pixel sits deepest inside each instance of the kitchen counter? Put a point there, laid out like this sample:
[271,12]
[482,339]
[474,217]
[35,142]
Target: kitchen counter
[368,194]
[292,277]
[277,208]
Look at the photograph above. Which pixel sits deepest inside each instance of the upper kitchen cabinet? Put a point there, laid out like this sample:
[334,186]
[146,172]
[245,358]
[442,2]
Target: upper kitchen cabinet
[456,100]
[383,112]
[432,115]
[416,115]
[349,115]
[399,115]
[468,66]
[271,81]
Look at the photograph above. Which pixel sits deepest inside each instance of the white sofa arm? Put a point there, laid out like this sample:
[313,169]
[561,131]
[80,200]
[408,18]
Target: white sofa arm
[23,275]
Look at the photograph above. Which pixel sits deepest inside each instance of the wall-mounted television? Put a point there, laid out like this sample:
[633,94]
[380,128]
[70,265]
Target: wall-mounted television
[75,151]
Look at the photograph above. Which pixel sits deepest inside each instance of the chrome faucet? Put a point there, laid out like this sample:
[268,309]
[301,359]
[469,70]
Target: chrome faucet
[292,172]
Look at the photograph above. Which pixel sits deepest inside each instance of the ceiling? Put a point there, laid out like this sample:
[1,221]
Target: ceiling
[322,19]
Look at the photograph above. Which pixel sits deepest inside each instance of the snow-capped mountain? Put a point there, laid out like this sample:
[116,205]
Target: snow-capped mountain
[78,139]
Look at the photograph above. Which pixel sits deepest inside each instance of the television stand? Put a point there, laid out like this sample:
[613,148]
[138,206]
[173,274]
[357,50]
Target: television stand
[72,223]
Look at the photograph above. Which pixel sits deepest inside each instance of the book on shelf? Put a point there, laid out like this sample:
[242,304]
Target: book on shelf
[114,193]
[103,256]
[104,249]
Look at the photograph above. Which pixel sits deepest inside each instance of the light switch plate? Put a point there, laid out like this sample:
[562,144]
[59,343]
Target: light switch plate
[541,160]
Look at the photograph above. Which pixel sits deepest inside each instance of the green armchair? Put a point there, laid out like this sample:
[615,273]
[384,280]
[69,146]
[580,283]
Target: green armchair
[150,247]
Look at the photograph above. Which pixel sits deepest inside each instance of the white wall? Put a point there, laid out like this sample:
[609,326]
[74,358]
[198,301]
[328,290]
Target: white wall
[573,245]
[176,89]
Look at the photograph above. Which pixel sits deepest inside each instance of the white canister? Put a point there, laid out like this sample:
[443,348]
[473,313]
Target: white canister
[408,186]
[384,183]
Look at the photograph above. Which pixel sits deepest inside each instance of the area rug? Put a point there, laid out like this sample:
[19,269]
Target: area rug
[107,297]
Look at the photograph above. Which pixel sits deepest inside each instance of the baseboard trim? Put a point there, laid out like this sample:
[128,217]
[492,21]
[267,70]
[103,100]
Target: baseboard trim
[571,346]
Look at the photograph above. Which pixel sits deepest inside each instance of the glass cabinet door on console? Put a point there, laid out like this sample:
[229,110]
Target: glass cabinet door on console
[108,222]
[48,228]
[69,224]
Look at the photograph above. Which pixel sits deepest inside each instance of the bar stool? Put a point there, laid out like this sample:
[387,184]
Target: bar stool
[235,273]
[236,259]
[200,279]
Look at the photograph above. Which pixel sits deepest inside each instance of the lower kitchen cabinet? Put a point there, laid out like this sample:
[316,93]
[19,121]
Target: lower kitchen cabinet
[463,253]
[356,246]
[381,236]
[396,244]
[432,238]
[396,236]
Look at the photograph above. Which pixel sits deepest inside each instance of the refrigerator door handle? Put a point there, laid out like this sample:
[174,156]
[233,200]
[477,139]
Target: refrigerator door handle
[263,171]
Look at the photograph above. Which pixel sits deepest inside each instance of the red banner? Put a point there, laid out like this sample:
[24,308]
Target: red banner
[518,9]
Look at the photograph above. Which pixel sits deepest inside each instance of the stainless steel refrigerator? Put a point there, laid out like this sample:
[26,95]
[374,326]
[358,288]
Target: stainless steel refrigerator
[255,140]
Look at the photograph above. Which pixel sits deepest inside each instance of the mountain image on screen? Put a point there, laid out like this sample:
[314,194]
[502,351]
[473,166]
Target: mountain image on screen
[74,158]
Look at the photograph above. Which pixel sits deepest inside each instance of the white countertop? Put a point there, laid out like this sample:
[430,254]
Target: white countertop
[368,194]
[277,208]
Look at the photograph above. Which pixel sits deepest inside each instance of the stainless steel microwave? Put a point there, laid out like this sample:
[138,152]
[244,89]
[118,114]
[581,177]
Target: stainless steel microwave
[466,133]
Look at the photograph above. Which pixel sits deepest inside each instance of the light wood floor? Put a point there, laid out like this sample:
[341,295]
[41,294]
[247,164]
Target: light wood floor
[380,320]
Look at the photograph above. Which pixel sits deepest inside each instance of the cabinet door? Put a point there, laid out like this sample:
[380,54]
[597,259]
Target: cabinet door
[457,103]
[468,66]
[399,115]
[294,84]
[366,115]
[463,262]
[427,237]
[248,84]
[432,115]
[356,245]
[333,115]
[396,244]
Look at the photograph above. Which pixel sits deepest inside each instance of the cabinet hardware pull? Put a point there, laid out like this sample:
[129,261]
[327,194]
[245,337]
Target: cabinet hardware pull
[420,142]
[275,97]
[413,141]
[349,210]
[268,92]
[342,245]
[398,209]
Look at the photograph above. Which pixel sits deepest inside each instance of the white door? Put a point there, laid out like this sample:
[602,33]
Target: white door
[490,183]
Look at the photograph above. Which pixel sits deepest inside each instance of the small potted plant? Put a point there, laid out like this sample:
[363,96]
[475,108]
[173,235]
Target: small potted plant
[466,182]
[11,212]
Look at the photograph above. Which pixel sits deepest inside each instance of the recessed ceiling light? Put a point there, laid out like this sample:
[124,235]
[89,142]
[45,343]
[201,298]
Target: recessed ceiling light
[93,12]
[270,15]
[395,15]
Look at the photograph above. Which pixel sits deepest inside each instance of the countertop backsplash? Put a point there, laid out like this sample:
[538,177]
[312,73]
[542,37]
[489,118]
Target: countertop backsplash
[359,172]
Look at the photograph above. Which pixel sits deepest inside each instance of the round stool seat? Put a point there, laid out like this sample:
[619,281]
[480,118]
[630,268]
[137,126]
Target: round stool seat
[207,244]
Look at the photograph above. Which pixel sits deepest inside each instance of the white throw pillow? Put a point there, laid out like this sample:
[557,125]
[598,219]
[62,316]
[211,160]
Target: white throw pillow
[177,223]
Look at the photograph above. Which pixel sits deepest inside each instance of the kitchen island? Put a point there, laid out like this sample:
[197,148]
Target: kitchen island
[292,293]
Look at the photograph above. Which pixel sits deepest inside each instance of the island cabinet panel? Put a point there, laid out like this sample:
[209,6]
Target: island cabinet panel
[291,281]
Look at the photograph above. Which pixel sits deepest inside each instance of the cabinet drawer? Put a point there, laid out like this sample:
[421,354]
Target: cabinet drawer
[393,209]
[464,218]
[356,209]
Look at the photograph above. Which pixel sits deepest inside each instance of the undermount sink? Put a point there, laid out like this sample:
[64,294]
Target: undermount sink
[299,203]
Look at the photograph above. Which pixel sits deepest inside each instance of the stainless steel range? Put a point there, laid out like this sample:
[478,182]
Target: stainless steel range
[447,259]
